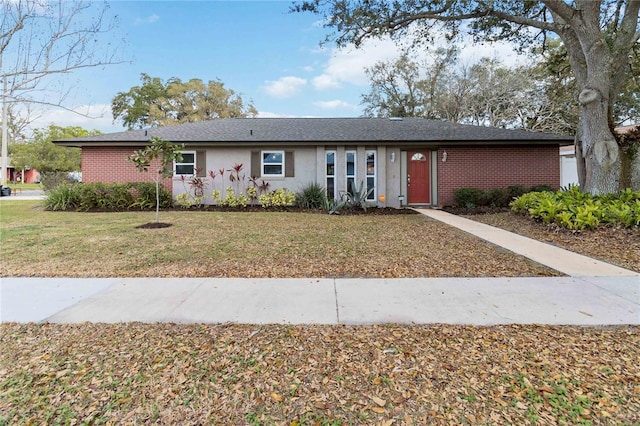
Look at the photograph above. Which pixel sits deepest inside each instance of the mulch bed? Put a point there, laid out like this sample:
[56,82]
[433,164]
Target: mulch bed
[154,225]
[256,209]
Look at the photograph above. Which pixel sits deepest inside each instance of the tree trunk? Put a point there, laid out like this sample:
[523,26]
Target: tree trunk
[580,161]
[635,168]
[157,200]
[602,160]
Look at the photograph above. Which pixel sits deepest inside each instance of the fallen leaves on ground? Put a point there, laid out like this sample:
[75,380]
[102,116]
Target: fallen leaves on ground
[619,246]
[308,375]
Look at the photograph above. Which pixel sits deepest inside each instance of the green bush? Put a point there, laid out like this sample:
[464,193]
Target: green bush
[106,196]
[354,199]
[62,197]
[541,188]
[278,198]
[230,199]
[311,196]
[514,191]
[574,209]
[497,197]
[469,198]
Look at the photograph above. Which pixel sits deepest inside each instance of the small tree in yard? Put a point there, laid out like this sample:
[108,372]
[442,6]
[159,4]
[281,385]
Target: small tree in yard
[163,150]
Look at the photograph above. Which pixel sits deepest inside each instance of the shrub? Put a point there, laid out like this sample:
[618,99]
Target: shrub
[541,188]
[278,198]
[102,196]
[514,191]
[230,199]
[497,197]
[354,199]
[184,200]
[573,209]
[62,197]
[311,196]
[468,198]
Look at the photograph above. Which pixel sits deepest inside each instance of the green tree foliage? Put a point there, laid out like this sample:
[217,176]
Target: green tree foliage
[156,103]
[40,153]
[599,36]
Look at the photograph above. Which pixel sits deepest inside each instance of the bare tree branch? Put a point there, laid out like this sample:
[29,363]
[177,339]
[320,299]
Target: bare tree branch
[42,39]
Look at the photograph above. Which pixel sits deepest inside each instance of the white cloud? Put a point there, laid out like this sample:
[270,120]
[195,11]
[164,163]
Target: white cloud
[472,53]
[335,104]
[325,81]
[285,87]
[148,20]
[268,114]
[347,65]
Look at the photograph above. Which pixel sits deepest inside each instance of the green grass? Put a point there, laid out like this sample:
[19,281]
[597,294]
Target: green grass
[36,242]
[24,186]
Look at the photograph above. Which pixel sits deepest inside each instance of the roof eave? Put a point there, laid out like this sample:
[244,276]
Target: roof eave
[247,143]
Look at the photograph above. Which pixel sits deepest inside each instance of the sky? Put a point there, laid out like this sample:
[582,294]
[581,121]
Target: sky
[269,56]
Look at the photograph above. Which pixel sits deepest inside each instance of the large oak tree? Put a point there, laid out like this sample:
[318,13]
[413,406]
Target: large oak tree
[156,103]
[599,36]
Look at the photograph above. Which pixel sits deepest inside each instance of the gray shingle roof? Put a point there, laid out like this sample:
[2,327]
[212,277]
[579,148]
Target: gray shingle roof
[320,130]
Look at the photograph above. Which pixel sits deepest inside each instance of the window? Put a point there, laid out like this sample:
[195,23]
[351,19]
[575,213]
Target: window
[371,175]
[272,163]
[188,164]
[351,170]
[330,172]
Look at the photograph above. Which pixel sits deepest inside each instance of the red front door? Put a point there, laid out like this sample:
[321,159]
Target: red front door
[418,185]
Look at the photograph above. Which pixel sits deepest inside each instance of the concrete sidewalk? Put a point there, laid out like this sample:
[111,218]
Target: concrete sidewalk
[477,301]
[25,195]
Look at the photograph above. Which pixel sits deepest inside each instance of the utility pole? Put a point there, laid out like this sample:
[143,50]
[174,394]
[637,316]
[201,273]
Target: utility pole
[5,133]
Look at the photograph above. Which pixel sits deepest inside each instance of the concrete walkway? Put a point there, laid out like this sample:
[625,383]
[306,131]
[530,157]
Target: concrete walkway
[593,293]
[565,261]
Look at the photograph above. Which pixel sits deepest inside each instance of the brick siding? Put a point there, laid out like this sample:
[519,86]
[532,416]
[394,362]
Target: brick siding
[495,167]
[110,165]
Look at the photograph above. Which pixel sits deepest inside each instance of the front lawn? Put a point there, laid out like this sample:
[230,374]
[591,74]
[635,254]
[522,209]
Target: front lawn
[244,244]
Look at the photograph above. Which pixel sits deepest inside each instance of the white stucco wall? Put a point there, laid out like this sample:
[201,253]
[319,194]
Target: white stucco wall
[309,167]
[305,165]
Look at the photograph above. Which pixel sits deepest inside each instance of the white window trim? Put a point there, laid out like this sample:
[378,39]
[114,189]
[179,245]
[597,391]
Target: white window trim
[176,163]
[374,195]
[355,167]
[262,164]
[326,176]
